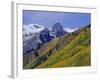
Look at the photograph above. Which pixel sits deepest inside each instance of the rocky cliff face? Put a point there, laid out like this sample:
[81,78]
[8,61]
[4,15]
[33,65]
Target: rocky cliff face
[58,30]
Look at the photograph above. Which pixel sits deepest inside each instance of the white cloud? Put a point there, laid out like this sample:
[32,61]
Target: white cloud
[70,29]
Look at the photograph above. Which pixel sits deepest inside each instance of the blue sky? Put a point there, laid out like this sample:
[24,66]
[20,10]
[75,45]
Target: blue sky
[49,18]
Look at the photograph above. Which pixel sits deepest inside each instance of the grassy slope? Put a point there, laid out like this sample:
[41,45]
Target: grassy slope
[76,53]
[54,45]
[44,51]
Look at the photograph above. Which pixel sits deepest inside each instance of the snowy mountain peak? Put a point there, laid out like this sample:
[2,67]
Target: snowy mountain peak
[37,26]
[32,28]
